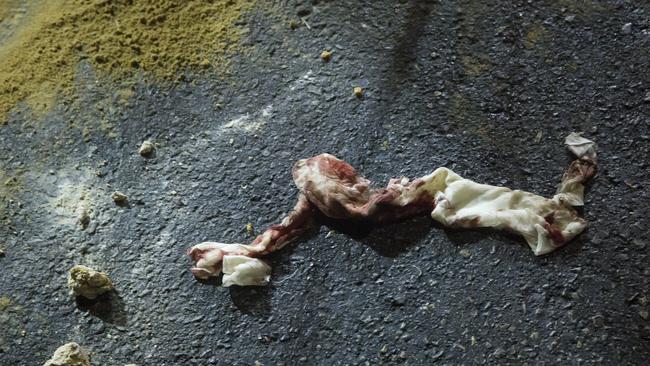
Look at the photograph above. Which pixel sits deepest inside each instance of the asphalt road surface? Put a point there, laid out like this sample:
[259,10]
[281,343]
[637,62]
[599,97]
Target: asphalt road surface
[489,91]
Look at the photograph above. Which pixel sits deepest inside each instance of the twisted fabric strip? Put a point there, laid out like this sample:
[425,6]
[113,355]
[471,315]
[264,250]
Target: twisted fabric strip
[333,187]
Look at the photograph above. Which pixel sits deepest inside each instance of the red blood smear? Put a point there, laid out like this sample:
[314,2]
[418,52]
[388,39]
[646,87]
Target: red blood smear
[338,168]
[553,231]
[555,234]
[550,218]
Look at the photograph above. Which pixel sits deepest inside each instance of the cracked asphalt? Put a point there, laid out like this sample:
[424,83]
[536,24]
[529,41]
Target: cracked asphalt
[489,91]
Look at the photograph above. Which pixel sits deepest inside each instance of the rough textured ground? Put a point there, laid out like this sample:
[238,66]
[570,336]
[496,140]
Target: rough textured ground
[489,91]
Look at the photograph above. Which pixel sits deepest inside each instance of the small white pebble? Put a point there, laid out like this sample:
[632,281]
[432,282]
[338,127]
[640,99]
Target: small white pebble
[626,28]
[147,148]
[119,197]
[70,354]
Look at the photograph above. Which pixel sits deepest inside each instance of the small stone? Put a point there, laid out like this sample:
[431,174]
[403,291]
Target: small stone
[647,98]
[465,253]
[398,300]
[644,314]
[119,197]
[358,91]
[84,217]
[2,250]
[570,18]
[147,148]
[101,59]
[249,229]
[326,55]
[86,282]
[205,63]
[598,320]
[626,28]
[499,352]
[5,302]
[70,354]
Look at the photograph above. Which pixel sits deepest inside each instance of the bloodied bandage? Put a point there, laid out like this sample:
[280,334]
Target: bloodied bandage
[333,187]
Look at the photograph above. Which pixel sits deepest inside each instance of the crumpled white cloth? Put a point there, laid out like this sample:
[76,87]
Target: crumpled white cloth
[240,269]
[333,186]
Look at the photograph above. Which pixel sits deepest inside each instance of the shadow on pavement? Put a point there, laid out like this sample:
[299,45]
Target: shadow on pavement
[108,307]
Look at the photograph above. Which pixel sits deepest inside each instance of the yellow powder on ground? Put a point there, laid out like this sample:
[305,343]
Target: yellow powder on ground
[119,37]
[8,7]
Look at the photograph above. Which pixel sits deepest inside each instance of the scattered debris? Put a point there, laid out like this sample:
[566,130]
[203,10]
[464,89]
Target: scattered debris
[70,354]
[146,149]
[305,22]
[249,229]
[2,250]
[119,197]
[598,321]
[5,302]
[358,91]
[84,216]
[626,28]
[326,55]
[569,18]
[333,187]
[86,282]
[205,63]
[538,136]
